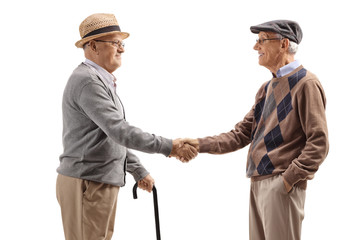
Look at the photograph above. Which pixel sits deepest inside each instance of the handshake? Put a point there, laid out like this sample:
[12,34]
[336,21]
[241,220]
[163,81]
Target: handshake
[185,149]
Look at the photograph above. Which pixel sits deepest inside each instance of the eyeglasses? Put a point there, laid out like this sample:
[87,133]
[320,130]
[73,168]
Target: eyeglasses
[117,44]
[261,41]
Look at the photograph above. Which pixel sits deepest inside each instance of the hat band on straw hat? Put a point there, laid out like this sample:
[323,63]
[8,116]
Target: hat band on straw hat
[103,30]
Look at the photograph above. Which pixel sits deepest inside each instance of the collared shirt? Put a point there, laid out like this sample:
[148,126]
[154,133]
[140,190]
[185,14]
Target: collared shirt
[105,75]
[288,68]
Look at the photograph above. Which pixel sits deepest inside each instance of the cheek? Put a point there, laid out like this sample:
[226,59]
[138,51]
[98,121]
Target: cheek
[111,56]
[115,55]
[265,57]
[117,58]
[270,55]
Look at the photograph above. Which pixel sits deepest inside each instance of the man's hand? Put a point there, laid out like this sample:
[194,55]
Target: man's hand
[183,151]
[146,183]
[192,142]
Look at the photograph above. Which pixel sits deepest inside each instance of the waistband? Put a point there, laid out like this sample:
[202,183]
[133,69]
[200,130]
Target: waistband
[301,184]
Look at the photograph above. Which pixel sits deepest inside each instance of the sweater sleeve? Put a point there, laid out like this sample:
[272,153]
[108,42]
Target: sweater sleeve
[231,141]
[311,109]
[98,106]
[134,166]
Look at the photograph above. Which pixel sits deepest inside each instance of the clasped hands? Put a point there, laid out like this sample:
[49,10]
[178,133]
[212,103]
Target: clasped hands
[185,149]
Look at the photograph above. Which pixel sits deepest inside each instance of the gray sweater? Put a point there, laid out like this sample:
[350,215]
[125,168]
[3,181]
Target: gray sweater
[96,136]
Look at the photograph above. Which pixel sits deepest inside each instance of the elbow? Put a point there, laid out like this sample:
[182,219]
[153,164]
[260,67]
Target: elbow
[323,146]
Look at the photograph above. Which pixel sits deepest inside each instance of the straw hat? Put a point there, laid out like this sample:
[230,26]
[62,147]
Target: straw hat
[98,25]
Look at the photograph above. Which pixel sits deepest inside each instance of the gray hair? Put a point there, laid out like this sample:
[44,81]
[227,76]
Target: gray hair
[293,46]
[85,45]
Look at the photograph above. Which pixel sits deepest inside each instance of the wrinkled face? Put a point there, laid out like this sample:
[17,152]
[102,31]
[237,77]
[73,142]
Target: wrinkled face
[270,51]
[109,53]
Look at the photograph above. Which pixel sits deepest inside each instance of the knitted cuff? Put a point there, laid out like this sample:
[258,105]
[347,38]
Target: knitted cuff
[166,146]
[204,145]
[139,174]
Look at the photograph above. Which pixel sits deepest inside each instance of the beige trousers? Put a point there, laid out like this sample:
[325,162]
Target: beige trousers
[87,208]
[274,213]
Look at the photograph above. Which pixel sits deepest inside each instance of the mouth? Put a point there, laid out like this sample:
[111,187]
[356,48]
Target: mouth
[261,54]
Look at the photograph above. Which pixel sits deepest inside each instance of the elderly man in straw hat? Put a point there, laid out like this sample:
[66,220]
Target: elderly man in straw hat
[97,138]
[287,132]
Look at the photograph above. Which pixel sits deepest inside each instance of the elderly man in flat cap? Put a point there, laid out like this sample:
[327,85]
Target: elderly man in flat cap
[97,138]
[287,132]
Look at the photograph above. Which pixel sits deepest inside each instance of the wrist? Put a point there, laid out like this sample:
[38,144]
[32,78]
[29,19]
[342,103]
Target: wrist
[287,185]
[196,144]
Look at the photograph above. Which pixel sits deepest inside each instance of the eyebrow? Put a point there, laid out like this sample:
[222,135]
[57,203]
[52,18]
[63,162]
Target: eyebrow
[263,35]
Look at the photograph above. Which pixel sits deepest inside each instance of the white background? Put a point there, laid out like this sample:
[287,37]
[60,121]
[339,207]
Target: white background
[189,70]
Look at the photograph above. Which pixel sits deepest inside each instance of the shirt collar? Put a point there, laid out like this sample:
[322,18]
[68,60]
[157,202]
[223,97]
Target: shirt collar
[288,68]
[103,74]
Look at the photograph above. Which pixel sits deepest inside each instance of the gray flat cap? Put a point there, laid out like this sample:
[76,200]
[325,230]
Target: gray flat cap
[286,28]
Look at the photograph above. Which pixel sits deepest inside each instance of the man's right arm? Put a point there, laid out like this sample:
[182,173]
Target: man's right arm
[98,106]
[231,141]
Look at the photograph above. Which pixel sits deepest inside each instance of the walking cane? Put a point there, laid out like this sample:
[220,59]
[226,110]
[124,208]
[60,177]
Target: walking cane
[156,209]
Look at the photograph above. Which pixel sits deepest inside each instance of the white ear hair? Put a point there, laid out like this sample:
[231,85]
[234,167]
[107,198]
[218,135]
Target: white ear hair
[293,46]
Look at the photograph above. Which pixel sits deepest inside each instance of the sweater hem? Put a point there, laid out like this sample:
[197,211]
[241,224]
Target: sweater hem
[301,184]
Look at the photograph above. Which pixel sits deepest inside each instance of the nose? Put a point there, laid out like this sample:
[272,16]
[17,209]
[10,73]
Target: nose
[256,46]
[120,49]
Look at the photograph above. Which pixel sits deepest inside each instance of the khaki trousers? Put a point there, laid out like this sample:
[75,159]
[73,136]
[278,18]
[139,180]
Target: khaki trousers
[274,213]
[87,208]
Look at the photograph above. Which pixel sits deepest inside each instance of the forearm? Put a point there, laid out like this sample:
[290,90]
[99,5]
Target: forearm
[134,138]
[223,143]
[306,165]
[231,141]
[98,106]
[134,166]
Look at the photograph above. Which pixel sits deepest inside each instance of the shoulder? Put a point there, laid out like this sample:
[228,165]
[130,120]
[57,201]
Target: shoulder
[310,77]
[84,74]
[301,78]
[310,80]
[82,77]
[309,88]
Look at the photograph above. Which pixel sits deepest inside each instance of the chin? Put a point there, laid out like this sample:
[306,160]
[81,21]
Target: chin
[262,62]
[116,66]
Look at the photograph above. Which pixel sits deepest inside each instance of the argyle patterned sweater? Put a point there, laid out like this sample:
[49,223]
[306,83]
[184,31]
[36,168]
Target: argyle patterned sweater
[286,129]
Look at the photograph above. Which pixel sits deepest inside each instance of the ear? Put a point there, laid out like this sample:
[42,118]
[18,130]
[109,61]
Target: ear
[285,44]
[93,47]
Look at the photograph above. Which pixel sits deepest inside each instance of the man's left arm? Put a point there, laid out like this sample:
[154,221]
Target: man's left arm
[311,110]
[138,171]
